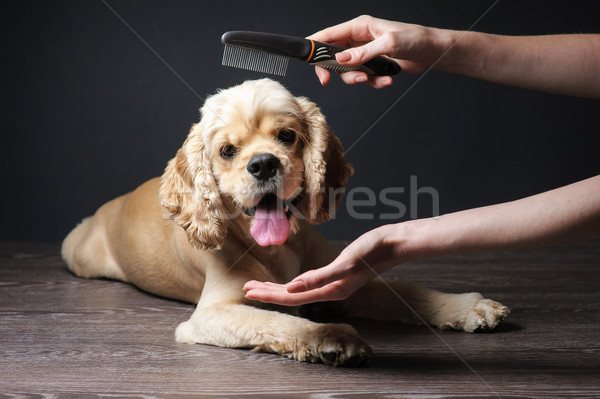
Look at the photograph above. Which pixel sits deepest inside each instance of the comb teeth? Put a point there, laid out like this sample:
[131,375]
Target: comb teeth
[335,68]
[332,65]
[255,60]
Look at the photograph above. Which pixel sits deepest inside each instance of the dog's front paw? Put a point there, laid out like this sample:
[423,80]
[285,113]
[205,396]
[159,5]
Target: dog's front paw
[332,344]
[339,345]
[485,315]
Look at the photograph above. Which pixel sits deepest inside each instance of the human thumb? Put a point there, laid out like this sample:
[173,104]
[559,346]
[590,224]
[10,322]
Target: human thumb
[361,54]
[316,278]
[356,55]
[296,286]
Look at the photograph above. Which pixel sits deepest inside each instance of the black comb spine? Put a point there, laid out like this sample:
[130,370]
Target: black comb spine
[289,46]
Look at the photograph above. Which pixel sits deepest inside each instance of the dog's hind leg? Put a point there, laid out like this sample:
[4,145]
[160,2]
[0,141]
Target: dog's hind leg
[87,254]
[397,300]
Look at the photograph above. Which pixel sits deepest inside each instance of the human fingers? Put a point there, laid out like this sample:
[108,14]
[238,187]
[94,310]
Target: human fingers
[323,74]
[355,77]
[380,82]
[253,284]
[269,293]
[310,280]
[352,77]
[278,294]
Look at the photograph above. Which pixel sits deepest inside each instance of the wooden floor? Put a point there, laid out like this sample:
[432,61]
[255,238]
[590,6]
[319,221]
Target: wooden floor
[91,338]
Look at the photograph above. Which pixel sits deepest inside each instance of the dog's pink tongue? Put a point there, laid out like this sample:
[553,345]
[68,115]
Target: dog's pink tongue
[270,225]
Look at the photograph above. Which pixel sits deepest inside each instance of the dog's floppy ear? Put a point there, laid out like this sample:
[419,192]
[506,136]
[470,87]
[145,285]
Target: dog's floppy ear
[189,192]
[325,168]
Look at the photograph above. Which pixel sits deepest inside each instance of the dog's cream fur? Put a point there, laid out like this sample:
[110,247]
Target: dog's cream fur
[186,235]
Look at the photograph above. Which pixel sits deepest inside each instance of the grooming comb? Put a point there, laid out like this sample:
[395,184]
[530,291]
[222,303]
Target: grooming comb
[269,53]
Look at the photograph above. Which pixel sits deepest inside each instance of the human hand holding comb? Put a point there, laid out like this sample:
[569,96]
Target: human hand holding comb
[269,53]
[414,48]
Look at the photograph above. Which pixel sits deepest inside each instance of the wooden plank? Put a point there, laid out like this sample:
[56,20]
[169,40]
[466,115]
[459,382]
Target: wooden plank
[85,338]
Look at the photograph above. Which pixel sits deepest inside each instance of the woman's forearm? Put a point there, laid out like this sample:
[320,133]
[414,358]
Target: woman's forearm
[562,64]
[565,214]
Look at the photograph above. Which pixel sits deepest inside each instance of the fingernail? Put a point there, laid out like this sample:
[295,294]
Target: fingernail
[320,76]
[361,79]
[296,286]
[344,56]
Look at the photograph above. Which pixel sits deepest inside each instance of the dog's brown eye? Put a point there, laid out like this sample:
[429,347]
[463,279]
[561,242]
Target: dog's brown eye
[228,151]
[287,136]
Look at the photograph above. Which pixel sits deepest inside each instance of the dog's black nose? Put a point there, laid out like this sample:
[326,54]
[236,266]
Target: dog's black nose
[263,166]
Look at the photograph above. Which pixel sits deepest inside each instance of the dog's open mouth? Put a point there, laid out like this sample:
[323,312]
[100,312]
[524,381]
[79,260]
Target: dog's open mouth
[271,224]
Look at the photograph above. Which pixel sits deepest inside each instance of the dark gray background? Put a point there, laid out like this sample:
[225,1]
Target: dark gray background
[89,111]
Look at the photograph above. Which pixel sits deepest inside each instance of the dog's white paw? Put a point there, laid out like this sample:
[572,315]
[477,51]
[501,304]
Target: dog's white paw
[469,312]
[485,315]
[185,334]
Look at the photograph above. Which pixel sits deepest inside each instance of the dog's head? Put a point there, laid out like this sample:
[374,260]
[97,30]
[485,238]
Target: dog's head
[259,154]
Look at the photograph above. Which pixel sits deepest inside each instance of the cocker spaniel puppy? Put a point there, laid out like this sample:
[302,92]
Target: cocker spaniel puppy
[237,203]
